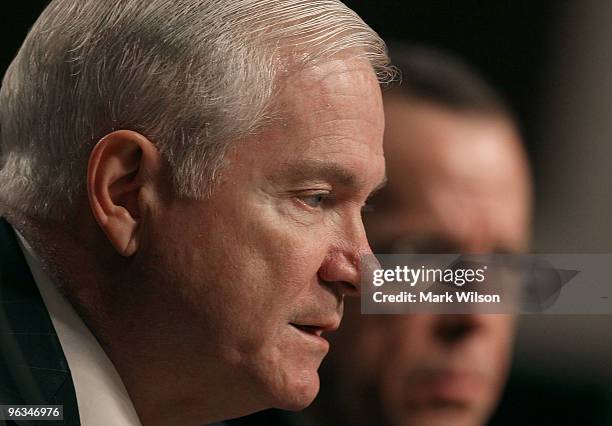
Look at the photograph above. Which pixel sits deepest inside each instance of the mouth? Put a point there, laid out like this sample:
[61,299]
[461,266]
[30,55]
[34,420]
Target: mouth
[314,332]
[310,329]
[450,386]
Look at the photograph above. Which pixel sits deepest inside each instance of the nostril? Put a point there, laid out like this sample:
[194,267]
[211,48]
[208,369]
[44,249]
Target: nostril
[342,271]
[453,330]
[341,289]
[349,289]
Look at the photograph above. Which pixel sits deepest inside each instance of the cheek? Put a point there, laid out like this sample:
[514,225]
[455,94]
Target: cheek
[412,337]
[284,258]
[502,337]
[265,269]
[367,353]
[409,346]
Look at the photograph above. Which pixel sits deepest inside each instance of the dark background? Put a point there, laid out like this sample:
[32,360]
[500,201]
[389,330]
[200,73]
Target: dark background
[508,41]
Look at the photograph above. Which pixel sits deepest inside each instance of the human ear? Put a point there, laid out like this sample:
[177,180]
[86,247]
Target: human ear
[121,165]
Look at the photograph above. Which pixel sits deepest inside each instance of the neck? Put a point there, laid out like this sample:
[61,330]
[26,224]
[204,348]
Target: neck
[154,359]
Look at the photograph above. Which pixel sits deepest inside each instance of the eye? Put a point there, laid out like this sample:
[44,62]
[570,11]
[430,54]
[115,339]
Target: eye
[314,200]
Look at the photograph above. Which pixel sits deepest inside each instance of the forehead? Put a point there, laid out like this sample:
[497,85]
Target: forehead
[334,93]
[457,174]
[328,113]
[475,154]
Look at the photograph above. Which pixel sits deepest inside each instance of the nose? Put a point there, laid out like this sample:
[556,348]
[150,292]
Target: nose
[342,266]
[452,329]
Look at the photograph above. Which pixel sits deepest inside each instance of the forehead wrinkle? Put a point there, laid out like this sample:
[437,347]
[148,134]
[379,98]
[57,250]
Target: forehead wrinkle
[339,117]
[324,116]
[341,108]
[326,90]
[332,141]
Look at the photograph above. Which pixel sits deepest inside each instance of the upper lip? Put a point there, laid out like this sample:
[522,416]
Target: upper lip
[317,327]
[473,372]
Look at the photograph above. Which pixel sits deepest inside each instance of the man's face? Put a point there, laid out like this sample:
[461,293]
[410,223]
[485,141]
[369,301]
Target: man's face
[257,272]
[457,183]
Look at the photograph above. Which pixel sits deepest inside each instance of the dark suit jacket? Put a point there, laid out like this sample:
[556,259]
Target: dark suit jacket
[33,368]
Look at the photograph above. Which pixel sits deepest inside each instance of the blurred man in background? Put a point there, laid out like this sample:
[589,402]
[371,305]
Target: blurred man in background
[458,181]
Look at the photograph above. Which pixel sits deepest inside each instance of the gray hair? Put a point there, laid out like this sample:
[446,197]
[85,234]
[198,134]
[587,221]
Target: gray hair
[191,75]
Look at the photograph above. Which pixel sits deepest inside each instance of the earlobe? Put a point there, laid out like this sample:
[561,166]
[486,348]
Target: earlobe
[120,166]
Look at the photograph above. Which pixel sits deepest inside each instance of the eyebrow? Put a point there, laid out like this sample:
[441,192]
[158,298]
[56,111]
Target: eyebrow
[320,169]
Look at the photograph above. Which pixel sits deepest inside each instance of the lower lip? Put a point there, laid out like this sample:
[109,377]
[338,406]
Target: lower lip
[449,387]
[313,338]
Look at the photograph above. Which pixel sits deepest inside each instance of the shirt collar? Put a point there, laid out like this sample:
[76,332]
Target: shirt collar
[101,395]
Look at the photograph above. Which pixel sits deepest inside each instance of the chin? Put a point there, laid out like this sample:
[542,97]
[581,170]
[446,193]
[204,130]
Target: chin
[298,391]
[286,370]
